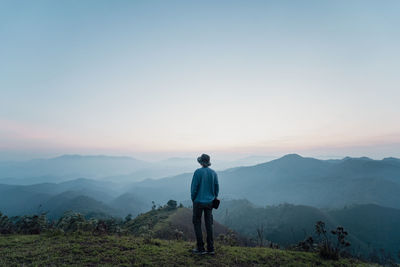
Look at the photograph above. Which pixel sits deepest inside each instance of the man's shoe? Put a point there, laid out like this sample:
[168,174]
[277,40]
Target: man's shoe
[199,251]
[211,252]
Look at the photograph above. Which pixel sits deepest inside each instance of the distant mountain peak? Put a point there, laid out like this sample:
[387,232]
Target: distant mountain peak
[286,159]
[391,159]
[360,158]
[77,156]
[292,156]
[78,180]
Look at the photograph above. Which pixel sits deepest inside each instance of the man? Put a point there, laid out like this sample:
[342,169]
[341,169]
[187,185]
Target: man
[204,190]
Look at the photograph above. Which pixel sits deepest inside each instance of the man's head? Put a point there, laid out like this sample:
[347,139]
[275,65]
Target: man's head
[204,160]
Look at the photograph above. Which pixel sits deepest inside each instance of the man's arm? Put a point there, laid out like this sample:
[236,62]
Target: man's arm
[216,185]
[195,186]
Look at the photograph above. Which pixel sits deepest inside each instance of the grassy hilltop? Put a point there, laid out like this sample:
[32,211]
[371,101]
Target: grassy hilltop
[112,250]
[171,223]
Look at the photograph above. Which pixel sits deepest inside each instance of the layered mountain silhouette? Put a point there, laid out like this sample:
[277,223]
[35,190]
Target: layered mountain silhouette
[67,167]
[108,168]
[290,179]
[86,196]
[297,180]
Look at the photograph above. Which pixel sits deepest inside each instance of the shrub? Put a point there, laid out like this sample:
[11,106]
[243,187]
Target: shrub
[326,249]
[228,239]
[108,226]
[341,243]
[172,204]
[305,245]
[6,225]
[178,234]
[128,218]
[75,222]
[31,224]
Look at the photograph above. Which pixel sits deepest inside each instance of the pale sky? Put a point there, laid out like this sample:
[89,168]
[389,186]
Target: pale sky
[177,78]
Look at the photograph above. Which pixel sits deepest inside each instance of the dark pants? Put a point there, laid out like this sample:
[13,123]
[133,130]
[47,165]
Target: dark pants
[198,209]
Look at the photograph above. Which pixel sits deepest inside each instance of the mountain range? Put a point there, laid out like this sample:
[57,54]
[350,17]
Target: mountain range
[291,179]
[90,197]
[121,170]
[296,180]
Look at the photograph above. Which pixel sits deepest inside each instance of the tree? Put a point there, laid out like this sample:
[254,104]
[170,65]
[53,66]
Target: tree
[260,235]
[34,224]
[326,249]
[172,204]
[128,217]
[341,239]
[6,226]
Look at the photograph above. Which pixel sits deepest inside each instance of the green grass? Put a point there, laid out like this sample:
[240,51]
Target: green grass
[150,220]
[89,250]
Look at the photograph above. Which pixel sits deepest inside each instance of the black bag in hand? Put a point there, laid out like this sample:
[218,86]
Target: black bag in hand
[215,203]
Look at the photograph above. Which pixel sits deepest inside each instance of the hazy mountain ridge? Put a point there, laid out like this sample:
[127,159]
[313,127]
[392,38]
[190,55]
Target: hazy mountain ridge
[72,201]
[80,195]
[298,180]
[129,203]
[67,167]
[290,179]
[108,168]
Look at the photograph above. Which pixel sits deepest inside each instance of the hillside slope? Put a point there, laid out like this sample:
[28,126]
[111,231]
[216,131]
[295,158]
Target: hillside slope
[171,223]
[370,227]
[89,250]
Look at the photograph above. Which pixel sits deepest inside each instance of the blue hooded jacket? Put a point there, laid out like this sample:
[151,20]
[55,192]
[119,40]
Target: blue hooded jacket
[205,185]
